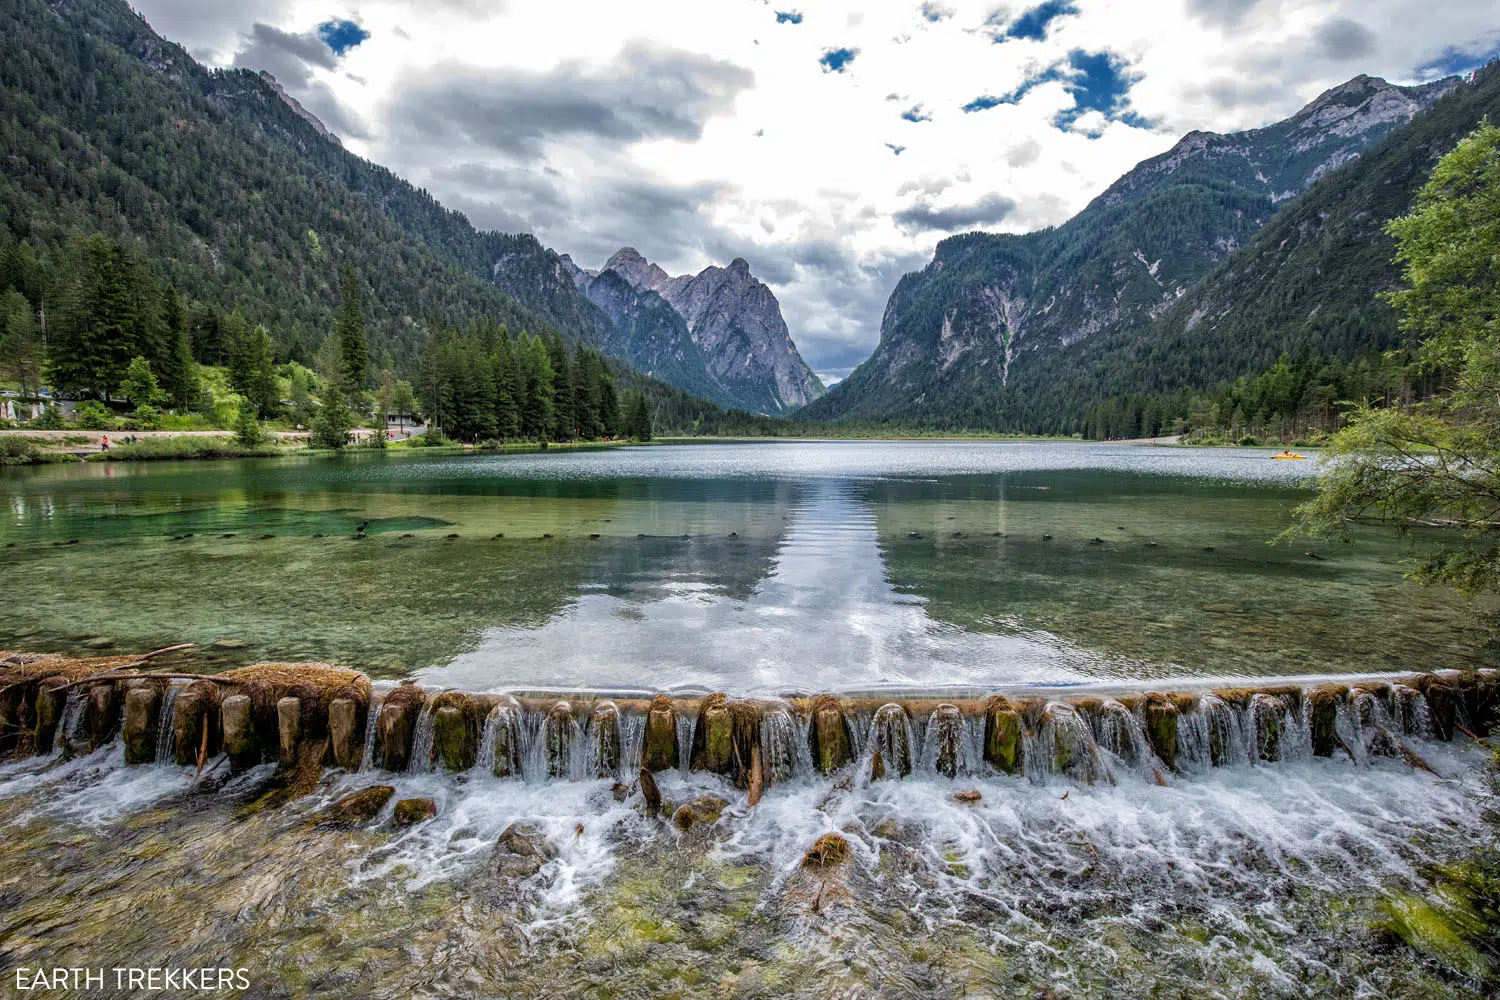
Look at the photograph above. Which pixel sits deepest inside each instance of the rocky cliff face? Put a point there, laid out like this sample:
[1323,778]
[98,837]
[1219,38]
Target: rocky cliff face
[965,341]
[732,319]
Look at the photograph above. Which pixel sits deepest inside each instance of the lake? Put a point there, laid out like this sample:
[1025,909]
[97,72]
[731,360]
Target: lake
[752,567]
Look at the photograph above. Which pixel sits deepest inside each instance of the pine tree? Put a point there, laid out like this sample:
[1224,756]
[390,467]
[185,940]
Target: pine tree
[20,342]
[354,349]
[331,426]
[247,430]
[639,421]
[140,385]
[263,388]
[178,378]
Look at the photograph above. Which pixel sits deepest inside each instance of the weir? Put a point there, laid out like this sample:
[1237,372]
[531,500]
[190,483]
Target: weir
[301,716]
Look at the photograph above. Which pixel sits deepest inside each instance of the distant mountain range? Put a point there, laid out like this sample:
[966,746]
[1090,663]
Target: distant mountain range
[1204,263]
[245,200]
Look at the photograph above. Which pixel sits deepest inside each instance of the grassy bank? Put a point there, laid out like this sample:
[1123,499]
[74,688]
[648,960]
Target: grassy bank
[16,450]
[167,449]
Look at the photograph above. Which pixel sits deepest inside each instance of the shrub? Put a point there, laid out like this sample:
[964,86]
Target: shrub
[93,415]
[17,450]
[164,449]
[50,419]
[1249,440]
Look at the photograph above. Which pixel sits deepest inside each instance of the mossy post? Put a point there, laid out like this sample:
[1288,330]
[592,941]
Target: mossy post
[397,726]
[889,732]
[344,740]
[240,741]
[1265,713]
[1442,705]
[510,742]
[449,736]
[713,736]
[557,734]
[195,722]
[1002,735]
[289,729]
[946,730]
[51,699]
[604,739]
[103,714]
[1162,718]
[828,735]
[1323,711]
[142,708]
[10,719]
[659,750]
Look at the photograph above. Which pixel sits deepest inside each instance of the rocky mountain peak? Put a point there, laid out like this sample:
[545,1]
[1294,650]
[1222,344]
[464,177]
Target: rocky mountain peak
[636,269]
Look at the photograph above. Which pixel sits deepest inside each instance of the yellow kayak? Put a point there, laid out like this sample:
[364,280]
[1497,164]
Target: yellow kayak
[1289,456]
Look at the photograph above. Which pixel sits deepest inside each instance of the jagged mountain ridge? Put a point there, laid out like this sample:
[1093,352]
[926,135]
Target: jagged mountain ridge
[718,333]
[974,338]
[736,320]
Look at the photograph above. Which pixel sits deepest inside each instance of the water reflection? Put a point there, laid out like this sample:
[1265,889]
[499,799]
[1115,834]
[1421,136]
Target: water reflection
[825,616]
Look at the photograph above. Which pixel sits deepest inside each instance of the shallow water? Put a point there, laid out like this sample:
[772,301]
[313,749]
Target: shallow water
[756,567]
[1239,881]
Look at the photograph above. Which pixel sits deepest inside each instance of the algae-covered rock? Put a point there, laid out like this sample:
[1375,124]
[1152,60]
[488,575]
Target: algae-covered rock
[51,700]
[877,767]
[410,812]
[830,851]
[526,840]
[103,714]
[659,749]
[1267,712]
[968,796]
[397,726]
[360,806]
[1002,735]
[705,809]
[890,734]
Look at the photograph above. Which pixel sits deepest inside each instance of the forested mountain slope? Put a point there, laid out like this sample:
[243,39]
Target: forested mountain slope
[998,332]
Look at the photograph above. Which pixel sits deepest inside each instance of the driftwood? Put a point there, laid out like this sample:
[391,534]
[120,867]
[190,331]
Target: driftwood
[139,661]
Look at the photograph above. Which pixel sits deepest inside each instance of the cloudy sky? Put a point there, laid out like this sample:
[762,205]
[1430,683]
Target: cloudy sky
[831,144]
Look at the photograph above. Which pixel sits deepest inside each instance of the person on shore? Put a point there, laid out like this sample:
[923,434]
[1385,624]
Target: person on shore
[104,442]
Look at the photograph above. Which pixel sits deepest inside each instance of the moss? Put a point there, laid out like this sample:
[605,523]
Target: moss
[1323,706]
[829,851]
[410,812]
[360,806]
[1432,931]
[659,749]
[1161,728]
[829,737]
[1002,735]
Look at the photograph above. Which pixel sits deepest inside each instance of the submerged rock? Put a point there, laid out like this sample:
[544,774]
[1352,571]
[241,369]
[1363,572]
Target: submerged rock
[410,812]
[890,734]
[526,840]
[968,796]
[705,809]
[650,793]
[360,806]
[1161,728]
[1323,706]
[945,730]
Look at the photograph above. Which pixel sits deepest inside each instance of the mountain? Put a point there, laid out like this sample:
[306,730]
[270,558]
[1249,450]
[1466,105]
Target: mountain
[998,331]
[718,333]
[736,322]
[244,200]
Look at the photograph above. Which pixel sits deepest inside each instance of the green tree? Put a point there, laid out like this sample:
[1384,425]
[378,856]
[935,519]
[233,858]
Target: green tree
[333,422]
[20,342]
[638,418]
[403,400]
[140,385]
[301,395]
[1437,462]
[354,349]
[263,388]
[179,380]
[247,430]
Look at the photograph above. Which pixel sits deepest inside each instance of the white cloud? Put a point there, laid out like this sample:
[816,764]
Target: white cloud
[699,132]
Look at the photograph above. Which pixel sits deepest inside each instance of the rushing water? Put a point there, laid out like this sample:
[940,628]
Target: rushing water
[753,567]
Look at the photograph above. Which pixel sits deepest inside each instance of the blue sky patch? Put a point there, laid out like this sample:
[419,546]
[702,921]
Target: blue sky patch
[898,150]
[1098,81]
[1034,23]
[788,17]
[341,36]
[916,114]
[934,11]
[836,60]
[1455,60]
